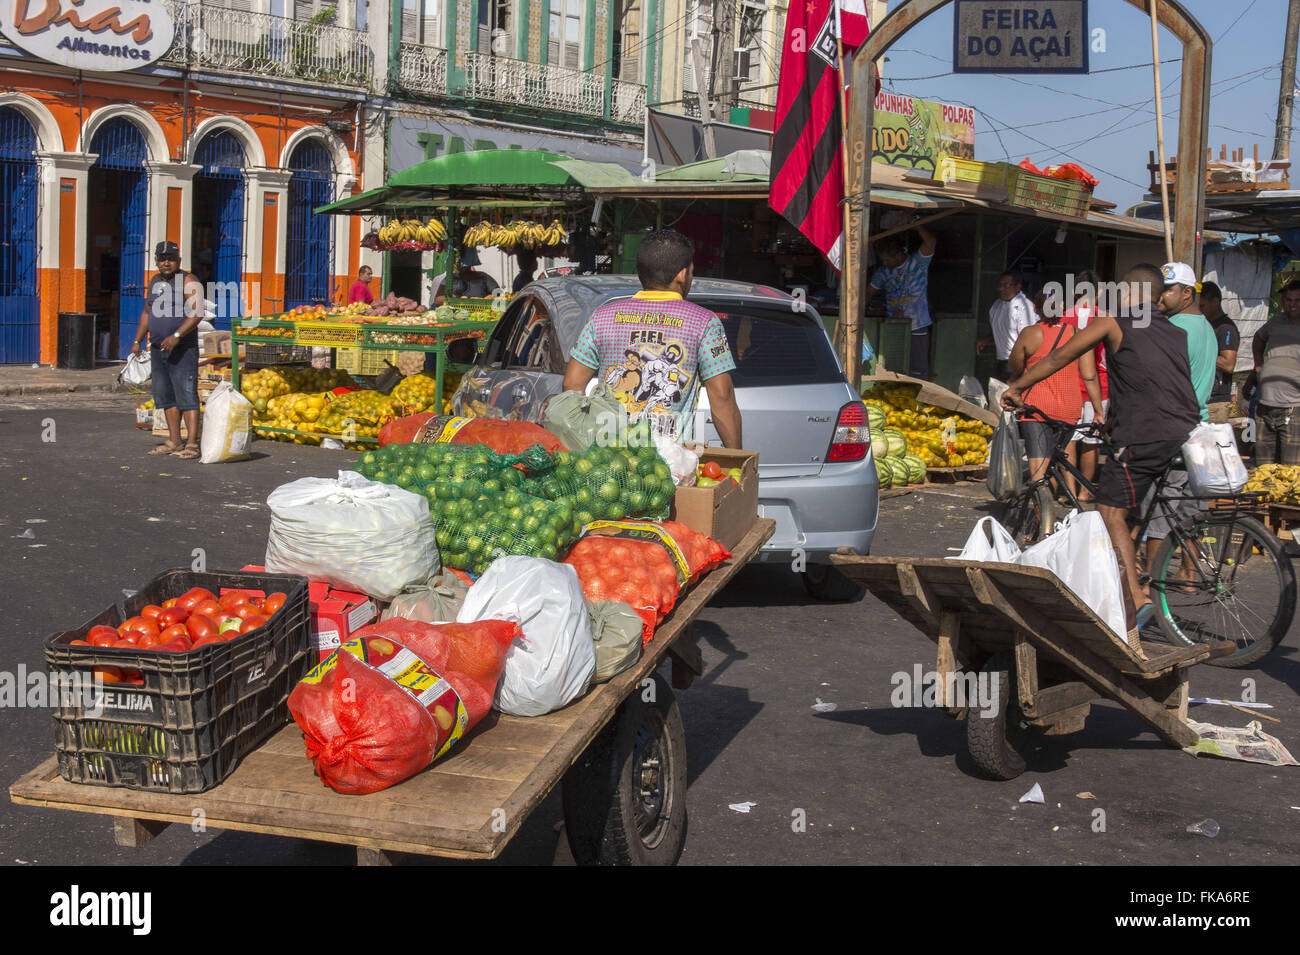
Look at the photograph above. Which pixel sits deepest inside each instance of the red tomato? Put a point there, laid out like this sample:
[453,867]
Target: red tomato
[246,610]
[712,470]
[170,602]
[209,608]
[150,640]
[78,643]
[193,597]
[103,639]
[109,674]
[173,646]
[200,626]
[273,603]
[233,598]
[129,639]
[174,631]
[171,616]
[143,624]
[205,641]
[133,676]
[252,623]
[110,633]
[151,611]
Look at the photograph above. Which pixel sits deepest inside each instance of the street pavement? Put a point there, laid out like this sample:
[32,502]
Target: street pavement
[792,716]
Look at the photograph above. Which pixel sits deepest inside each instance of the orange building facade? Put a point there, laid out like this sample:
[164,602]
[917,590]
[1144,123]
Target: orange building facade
[119,162]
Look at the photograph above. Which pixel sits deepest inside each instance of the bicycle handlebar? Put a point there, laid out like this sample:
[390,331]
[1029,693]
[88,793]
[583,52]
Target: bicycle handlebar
[1027,409]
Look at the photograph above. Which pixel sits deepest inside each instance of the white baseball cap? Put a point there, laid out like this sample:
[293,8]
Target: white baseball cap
[1178,273]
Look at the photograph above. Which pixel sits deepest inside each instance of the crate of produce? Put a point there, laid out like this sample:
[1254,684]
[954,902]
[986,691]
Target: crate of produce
[184,723]
[365,361]
[328,334]
[482,309]
[1068,197]
[956,169]
[257,327]
[276,353]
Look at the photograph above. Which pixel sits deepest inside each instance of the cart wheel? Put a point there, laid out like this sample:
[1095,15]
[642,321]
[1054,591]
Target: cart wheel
[999,744]
[824,582]
[625,797]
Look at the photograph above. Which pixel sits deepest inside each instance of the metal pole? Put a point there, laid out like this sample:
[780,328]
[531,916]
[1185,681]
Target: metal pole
[1160,138]
[1286,94]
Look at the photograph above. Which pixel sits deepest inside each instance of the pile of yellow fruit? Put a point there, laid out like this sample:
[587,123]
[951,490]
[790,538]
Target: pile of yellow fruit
[418,392]
[941,438]
[262,385]
[1279,483]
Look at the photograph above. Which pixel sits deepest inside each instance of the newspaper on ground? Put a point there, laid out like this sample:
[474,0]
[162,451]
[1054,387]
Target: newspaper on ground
[1251,744]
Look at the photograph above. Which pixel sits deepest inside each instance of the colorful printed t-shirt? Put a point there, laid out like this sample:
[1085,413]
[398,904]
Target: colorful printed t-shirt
[653,350]
[905,289]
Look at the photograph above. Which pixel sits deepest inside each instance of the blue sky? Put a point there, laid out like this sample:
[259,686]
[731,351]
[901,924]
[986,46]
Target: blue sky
[1057,118]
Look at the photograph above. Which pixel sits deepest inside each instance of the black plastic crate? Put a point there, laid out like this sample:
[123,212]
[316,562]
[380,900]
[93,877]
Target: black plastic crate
[198,713]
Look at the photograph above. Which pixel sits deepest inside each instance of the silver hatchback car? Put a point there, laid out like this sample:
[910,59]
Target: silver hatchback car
[794,400]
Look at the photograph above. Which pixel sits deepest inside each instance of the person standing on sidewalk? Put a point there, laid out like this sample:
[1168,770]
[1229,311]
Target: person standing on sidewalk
[1010,315]
[170,318]
[905,280]
[1228,337]
[1276,350]
[1153,410]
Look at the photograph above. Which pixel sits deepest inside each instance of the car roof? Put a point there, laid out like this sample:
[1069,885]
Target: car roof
[575,297]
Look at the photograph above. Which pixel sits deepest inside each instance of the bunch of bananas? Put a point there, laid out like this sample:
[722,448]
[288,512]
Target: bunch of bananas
[1279,483]
[412,234]
[517,235]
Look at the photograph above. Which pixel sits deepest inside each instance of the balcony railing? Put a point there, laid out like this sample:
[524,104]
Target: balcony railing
[220,39]
[545,86]
[424,69]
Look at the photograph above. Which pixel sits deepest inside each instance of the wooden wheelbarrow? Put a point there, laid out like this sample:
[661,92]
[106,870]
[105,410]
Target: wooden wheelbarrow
[1047,656]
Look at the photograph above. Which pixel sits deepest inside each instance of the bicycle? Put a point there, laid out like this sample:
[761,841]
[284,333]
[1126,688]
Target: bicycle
[1220,574]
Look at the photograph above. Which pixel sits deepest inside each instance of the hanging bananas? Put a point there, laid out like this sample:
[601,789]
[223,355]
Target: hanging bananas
[517,235]
[413,232]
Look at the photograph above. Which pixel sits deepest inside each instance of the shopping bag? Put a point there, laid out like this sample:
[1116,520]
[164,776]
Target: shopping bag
[1214,464]
[1080,553]
[579,419]
[1006,459]
[990,541]
[227,426]
[138,369]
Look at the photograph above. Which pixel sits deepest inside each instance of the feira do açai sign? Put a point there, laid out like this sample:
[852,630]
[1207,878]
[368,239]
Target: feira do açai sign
[99,35]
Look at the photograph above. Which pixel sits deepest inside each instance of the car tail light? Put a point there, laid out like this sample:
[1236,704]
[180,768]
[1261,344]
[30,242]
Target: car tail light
[852,436]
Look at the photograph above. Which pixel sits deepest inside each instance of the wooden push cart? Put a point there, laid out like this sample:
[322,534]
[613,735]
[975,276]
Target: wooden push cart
[620,752]
[1047,654]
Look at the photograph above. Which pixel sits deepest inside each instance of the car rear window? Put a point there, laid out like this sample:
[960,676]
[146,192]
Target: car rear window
[770,348]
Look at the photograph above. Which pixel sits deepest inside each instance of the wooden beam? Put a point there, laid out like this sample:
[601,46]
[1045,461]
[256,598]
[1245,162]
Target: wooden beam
[946,665]
[942,214]
[919,595]
[1096,672]
[1026,672]
[134,833]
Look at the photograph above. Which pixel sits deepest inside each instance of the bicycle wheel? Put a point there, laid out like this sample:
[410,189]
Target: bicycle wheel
[1225,578]
[1030,517]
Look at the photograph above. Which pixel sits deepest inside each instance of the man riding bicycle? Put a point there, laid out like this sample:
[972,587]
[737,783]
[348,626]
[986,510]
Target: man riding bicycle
[1153,409]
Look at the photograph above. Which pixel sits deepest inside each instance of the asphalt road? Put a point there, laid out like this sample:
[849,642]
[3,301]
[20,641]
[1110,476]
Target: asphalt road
[862,782]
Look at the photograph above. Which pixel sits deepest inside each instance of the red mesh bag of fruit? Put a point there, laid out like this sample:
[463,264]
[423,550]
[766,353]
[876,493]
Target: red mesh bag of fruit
[702,553]
[397,696]
[503,437]
[638,573]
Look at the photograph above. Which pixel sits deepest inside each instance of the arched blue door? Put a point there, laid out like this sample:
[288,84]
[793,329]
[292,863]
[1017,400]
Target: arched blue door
[20,315]
[308,255]
[121,149]
[219,188]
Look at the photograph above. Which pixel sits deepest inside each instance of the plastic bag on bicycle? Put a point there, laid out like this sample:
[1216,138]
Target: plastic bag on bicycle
[1214,464]
[1006,459]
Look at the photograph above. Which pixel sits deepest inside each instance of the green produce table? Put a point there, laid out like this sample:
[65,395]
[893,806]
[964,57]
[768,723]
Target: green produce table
[266,331]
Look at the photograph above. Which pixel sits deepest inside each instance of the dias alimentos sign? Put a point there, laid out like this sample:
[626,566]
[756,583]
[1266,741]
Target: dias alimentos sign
[99,35]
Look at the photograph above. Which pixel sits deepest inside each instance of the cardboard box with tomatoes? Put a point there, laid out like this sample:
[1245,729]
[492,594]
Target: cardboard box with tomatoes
[723,504]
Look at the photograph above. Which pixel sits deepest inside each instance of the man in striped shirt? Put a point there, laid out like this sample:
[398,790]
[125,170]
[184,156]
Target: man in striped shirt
[655,348]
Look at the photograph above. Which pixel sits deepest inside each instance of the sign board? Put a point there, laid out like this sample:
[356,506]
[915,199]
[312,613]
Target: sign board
[1020,36]
[413,139]
[913,132]
[98,35]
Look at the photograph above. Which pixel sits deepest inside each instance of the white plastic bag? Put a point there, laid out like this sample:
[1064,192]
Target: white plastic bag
[138,369]
[1081,555]
[356,534]
[990,541]
[227,426]
[1214,464]
[996,390]
[683,463]
[556,660]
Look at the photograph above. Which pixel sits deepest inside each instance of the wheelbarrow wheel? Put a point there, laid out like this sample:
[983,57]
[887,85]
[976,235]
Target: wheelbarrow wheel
[999,744]
[625,797]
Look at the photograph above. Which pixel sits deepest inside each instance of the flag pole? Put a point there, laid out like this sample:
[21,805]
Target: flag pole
[848,329]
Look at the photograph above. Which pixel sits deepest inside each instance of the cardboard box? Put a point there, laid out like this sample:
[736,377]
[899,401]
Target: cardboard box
[931,394]
[160,423]
[334,615]
[143,415]
[725,512]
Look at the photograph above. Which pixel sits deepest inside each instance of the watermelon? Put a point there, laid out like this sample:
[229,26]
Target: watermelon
[897,443]
[875,418]
[884,472]
[898,475]
[915,469]
[879,444]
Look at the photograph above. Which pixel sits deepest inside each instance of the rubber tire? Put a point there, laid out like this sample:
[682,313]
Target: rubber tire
[996,744]
[601,790]
[825,582]
[1286,609]
[1030,518]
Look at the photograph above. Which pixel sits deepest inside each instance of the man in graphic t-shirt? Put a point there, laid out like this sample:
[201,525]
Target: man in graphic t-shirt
[655,348]
[1276,349]
[905,280]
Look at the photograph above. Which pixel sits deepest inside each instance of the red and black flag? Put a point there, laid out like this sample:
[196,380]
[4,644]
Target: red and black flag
[807,161]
